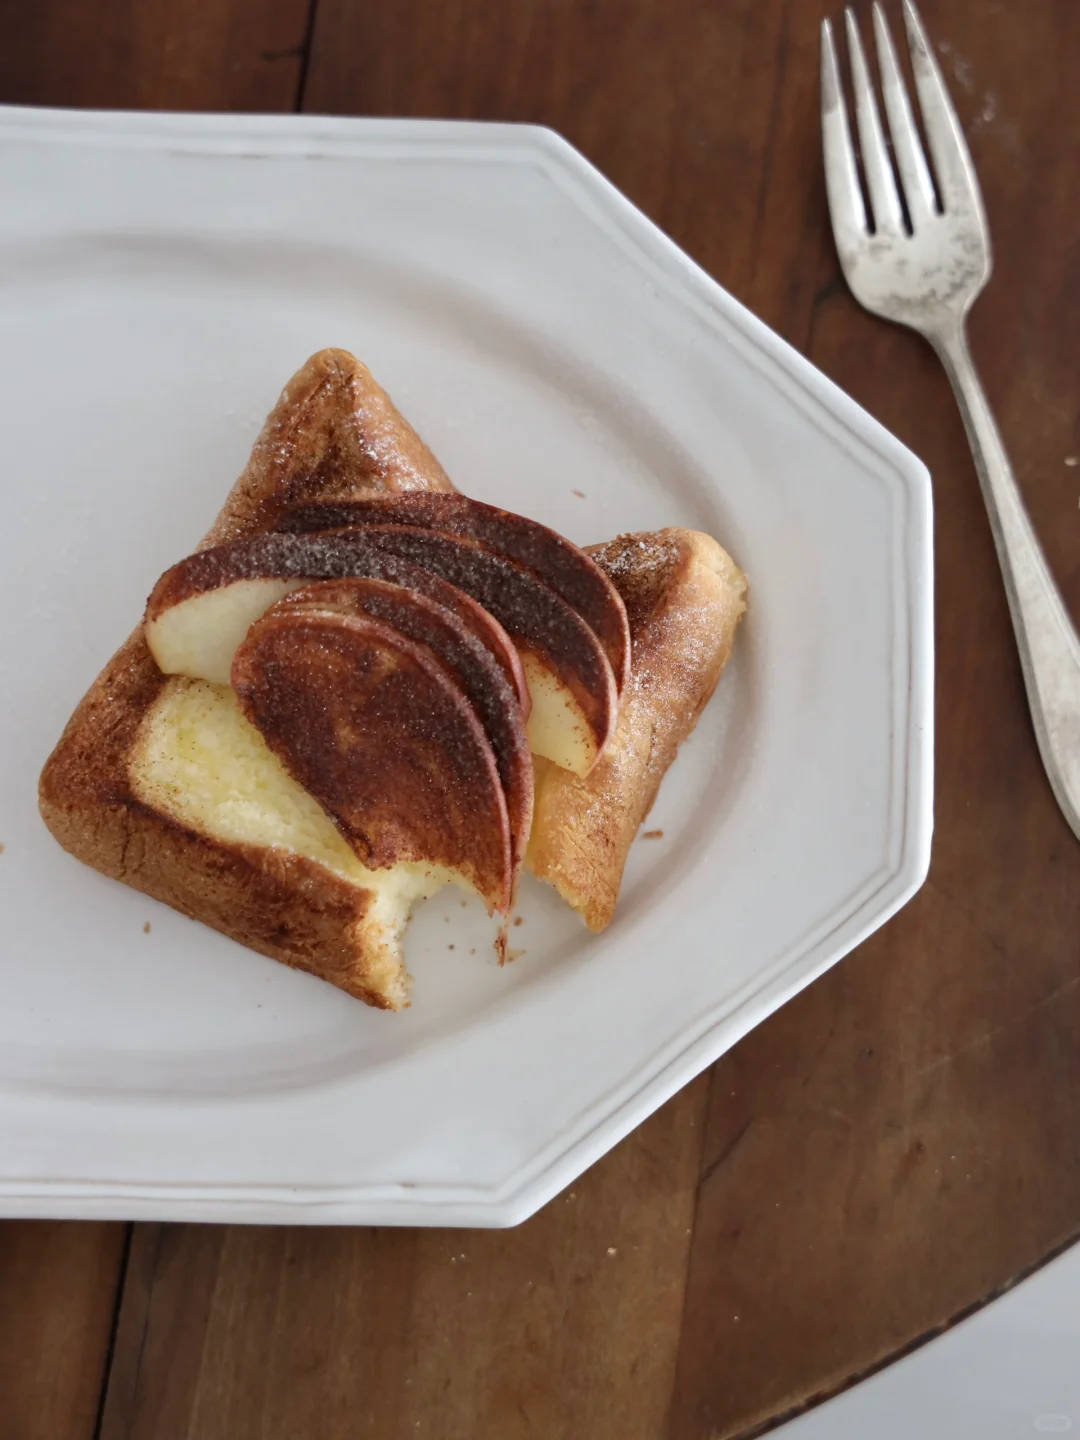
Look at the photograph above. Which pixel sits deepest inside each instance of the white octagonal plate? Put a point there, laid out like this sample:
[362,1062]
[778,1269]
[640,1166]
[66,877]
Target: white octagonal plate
[160,279]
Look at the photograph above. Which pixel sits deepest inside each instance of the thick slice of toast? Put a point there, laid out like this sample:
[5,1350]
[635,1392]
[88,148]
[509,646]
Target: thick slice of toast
[333,433]
[146,761]
[684,597]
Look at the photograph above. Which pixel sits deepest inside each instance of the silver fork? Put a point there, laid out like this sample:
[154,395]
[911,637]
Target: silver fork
[926,275]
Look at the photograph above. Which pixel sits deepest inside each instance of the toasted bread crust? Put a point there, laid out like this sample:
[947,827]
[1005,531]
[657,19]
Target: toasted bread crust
[333,436]
[276,903]
[332,432]
[684,598]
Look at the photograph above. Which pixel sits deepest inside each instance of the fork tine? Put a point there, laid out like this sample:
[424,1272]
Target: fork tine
[957,182]
[884,200]
[846,206]
[907,147]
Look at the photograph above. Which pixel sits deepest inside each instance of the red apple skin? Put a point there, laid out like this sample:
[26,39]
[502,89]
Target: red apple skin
[569,571]
[469,664]
[374,728]
[314,557]
[532,614]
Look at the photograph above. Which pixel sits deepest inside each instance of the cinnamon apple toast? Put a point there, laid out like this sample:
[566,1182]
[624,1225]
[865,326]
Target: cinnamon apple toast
[345,723]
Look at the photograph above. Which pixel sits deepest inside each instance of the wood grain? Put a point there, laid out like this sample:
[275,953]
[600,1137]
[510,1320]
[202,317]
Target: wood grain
[681,103]
[153,54]
[58,1282]
[58,1287]
[567,1326]
[536,1332]
[904,1138]
[901,1140]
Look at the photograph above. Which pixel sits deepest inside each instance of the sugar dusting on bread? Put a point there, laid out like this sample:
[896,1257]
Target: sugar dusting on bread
[334,432]
[120,796]
[198,760]
[639,566]
[684,597]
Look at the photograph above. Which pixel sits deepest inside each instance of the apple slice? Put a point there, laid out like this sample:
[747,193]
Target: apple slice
[200,637]
[573,678]
[201,609]
[569,571]
[470,665]
[575,701]
[375,729]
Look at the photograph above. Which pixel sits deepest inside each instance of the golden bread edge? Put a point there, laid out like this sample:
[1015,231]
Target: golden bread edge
[296,910]
[272,901]
[684,597]
[331,423]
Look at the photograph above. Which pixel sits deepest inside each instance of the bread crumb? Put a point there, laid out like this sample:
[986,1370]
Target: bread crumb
[611,1250]
[502,944]
[652,835]
[450,947]
[519,919]
[579,493]
[146,928]
[1,847]
[472,952]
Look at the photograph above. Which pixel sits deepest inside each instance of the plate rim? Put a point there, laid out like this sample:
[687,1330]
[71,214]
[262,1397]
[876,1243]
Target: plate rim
[704,1039]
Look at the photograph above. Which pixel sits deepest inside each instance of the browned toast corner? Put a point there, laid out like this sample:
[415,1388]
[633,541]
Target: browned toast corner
[332,434]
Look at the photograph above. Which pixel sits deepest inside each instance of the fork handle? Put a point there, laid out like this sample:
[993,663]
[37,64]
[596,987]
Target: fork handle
[1048,643]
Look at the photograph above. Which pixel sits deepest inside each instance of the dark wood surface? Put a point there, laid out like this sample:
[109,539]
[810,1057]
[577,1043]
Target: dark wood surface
[903,1139]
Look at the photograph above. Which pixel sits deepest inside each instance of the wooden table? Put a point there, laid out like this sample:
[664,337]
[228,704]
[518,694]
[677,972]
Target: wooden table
[900,1142]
